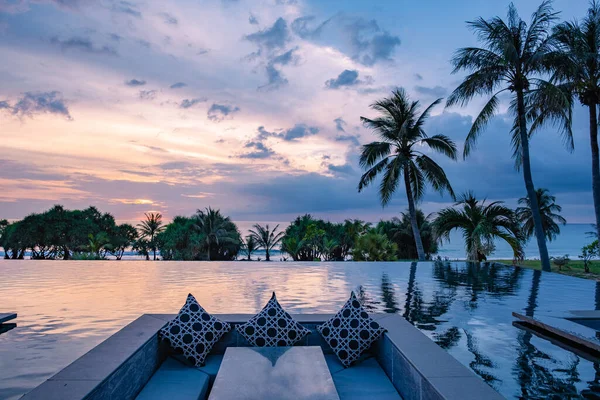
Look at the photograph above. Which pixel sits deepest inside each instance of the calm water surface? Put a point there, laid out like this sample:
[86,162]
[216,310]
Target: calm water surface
[66,308]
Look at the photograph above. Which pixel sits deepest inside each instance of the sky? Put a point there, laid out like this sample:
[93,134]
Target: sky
[252,107]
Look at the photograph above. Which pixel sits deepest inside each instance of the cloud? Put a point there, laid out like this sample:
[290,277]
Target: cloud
[345,79]
[33,103]
[84,45]
[219,112]
[135,82]
[339,124]
[362,39]
[418,77]
[178,85]
[274,75]
[301,26]
[147,94]
[252,20]
[261,151]
[370,42]
[436,91]
[187,103]
[298,131]
[348,138]
[345,169]
[4,105]
[271,38]
[168,18]
[126,7]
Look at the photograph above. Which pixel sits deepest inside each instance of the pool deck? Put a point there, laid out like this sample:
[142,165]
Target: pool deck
[563,325]
[121,366]
[4,317]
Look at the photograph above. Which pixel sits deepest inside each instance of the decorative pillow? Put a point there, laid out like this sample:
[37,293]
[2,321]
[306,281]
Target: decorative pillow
[272,327]
[194,332]
[350,332]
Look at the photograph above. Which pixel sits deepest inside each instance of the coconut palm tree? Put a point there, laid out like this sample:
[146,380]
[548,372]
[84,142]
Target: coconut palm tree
[266,238]
[579,67]
[401,152]
[549,211]
[515,58]
[215,229]
[250,246]
[480,224]
[149,228]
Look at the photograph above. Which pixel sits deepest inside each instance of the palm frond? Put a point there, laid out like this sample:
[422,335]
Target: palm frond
[442,144]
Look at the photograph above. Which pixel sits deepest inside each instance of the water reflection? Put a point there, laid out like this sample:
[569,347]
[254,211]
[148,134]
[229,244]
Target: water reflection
[66,308]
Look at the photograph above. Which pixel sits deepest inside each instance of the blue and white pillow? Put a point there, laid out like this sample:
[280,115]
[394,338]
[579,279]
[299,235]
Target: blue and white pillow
[194,332]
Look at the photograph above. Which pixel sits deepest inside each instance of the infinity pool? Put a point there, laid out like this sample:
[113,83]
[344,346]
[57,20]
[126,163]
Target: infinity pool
[67,307]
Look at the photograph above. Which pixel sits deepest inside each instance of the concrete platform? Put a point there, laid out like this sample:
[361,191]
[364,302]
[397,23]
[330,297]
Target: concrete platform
[416,367]
[4,317]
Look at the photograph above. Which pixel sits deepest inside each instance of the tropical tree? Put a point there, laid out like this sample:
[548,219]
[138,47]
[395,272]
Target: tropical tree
[480,224]
[292,246]
[124,236]
[399,231]
[401,153]
[515,58]
[220,236]
[266,239]
[149,228]
[374,246]
[579,67]
[249,246]
[549,211]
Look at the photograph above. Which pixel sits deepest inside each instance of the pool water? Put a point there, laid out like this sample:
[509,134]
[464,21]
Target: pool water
[67,307]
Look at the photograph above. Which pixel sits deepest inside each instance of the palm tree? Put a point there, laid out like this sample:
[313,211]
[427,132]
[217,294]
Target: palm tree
[579,63]
[549,211]
[149,228]
[480,224]
[250,246]
[401,153]
[266,238]
[514,58]
[213,227]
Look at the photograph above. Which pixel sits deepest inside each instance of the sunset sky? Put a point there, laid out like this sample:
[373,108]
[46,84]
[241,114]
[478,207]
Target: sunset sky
[248,106]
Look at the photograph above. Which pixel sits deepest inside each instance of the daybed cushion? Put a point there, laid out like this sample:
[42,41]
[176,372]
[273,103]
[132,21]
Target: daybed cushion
[211,366]
[176,381]
[364,381]
[193,331]
[273,326]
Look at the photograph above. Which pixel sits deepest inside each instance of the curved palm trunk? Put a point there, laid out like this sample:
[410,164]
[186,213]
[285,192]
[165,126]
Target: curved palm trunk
[535,207]
[595,164]
[413,217]
[267,256]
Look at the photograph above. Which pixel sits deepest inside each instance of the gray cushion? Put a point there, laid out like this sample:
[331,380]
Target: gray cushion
[363,381]
[175,381]
[211,366]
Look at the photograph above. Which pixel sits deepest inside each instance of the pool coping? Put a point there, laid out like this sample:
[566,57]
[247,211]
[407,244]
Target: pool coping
[561,323]
[120,366]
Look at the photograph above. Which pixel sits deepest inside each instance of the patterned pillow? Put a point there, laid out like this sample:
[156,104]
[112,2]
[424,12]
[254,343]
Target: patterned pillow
[350,332]
[194,332]
[272,327]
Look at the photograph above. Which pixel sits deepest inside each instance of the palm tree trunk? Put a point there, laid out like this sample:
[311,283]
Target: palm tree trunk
[535,207]
[595,164]
[413,216]
[267,254]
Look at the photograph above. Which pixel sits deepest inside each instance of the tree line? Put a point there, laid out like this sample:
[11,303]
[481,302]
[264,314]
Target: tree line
[89,234]
[544,67]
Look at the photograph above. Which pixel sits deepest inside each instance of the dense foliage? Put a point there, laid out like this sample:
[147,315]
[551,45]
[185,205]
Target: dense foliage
[63,234]
[207,235]
[308,239]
